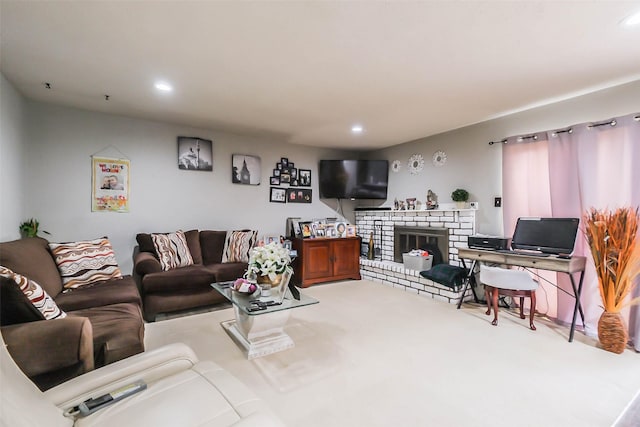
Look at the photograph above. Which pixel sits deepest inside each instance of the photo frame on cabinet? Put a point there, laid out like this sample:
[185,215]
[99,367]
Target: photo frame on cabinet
[305,227]
[245,169]
[195,154]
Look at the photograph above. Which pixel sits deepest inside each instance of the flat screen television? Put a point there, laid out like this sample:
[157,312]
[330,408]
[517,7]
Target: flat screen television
[353,179]
[546,235]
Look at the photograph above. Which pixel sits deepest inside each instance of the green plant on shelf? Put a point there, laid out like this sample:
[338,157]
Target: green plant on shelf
[460,195]
[30,228]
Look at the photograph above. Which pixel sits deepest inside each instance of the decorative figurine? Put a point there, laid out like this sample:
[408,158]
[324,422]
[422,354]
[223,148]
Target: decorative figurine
[411,204]
[432,200]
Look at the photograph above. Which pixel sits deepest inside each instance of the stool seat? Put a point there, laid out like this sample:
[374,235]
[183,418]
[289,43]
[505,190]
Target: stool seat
[506,282]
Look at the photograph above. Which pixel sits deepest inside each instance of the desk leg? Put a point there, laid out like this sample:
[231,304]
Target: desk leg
[578,306]
[467,281]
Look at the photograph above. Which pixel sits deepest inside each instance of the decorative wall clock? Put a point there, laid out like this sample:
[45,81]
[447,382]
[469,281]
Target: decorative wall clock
[416,163]
[439,158]
[395,166]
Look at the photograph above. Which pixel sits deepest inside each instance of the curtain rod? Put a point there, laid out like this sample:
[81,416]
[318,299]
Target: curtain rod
[608,122]
[611,122]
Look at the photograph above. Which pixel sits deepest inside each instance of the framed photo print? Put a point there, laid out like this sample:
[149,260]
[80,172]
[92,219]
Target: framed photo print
[293,172]
[195,154]
[271,239]
[305,195]
[285,178]
[351,230]
[274,180]
[306,229]
[284,162]
[278,195]
[276,172]
[245,169]
[341,229]
[304,177]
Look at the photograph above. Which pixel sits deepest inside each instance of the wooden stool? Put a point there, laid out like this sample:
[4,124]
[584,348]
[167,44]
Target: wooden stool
[505,282]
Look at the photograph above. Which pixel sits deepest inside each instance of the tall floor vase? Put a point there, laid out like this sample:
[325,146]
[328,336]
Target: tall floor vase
[612,332]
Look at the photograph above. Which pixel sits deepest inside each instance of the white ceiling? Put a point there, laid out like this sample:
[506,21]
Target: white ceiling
[305,72]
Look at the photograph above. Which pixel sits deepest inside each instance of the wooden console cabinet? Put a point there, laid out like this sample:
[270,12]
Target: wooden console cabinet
[326,259]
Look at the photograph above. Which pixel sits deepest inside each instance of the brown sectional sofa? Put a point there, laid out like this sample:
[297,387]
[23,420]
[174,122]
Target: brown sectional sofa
[185,287]
[103,324]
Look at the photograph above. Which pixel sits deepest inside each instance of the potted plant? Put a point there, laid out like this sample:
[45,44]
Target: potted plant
[268,262]
[30,228]
[460,196]
[616,256]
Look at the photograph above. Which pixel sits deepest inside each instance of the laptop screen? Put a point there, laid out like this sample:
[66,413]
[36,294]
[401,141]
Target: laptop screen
[547,235]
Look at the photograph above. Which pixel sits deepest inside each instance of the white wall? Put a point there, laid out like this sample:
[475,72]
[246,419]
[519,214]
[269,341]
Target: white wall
[50,163]
[475,165]
[163,198]
[12,142]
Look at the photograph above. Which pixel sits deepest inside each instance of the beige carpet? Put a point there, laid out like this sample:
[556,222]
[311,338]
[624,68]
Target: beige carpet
[372,355]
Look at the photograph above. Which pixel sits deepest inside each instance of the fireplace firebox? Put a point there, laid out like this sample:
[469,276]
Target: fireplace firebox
[408,238]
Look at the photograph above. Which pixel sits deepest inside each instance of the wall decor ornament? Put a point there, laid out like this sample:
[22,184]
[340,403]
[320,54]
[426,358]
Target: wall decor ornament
[395,166]
[416,163]
[110,185]
[245,169]
[195,154]
[439,158]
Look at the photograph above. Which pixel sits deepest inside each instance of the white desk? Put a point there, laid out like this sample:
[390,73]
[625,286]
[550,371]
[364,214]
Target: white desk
[570,266]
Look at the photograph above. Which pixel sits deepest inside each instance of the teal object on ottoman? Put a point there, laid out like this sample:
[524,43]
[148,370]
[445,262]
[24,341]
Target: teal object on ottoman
[445,274]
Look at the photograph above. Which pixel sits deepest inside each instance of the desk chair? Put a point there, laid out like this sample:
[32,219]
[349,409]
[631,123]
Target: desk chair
[513,283]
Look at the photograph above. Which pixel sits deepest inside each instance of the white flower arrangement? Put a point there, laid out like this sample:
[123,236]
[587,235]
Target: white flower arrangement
[269,260]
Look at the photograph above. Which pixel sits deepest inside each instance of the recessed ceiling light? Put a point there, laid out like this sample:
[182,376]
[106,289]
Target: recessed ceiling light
[632,20]
[164,87]
[356,129]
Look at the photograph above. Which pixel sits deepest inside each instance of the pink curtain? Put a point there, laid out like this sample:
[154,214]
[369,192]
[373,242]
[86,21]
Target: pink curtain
[562,174]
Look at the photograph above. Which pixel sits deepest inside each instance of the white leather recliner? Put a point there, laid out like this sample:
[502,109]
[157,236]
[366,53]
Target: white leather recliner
[181,391]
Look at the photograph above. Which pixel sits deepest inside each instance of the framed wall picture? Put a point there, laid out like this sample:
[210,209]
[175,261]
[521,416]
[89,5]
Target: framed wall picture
[274,180]
[195,154]
[285,178]
[245,169]
[278,195]
[304,177]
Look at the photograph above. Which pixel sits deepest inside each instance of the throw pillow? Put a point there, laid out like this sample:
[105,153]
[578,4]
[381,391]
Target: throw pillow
[238,244]
[172,250]
[85,262]
[34,292]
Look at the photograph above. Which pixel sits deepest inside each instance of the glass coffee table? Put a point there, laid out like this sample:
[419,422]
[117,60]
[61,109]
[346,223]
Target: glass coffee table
[259,323]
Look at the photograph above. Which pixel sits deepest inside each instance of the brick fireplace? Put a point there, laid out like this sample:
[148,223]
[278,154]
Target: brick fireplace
[396,232]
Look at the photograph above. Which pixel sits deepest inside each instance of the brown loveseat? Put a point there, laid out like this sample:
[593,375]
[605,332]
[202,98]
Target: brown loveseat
[184,287]
[103,324]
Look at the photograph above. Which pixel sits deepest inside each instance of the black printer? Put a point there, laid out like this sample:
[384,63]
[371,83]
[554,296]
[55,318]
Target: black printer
[480,241]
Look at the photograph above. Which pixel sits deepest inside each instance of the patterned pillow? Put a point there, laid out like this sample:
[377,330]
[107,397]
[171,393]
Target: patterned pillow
[238,245]
[85,262]
[172,250]
[34,292]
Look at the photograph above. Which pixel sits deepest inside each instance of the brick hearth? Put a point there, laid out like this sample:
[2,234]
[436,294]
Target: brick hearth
[459,222]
